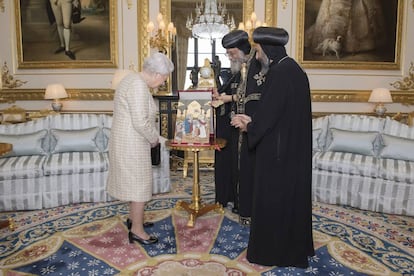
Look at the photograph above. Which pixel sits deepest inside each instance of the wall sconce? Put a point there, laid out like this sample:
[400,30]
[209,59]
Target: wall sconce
[379,96]
[55,92]
[251,24]
[164,36]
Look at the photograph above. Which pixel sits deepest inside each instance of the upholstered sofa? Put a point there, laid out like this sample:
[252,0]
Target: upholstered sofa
[365,162]
[61,159]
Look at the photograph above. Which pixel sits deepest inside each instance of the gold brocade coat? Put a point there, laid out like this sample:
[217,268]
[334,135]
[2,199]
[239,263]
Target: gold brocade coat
[133,130]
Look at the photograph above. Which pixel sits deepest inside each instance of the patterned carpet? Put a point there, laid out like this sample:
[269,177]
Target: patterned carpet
[91,239]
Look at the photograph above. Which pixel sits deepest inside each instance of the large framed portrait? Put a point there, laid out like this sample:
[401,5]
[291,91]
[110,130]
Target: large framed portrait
[66,33]
[364,34]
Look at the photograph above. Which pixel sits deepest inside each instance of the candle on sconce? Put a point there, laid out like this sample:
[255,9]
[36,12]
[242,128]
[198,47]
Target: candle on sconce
[253,17]
[248,25]
[161,25]
[159,17]
[150,27]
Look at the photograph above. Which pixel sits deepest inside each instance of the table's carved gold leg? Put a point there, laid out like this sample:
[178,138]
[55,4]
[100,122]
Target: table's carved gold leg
[12,225]
[8,223]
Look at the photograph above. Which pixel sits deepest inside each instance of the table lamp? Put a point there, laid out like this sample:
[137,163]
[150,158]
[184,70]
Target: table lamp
[380,96]
[55,92]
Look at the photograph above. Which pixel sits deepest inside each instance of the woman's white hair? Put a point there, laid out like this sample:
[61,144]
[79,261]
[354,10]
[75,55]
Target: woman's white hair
[158,63]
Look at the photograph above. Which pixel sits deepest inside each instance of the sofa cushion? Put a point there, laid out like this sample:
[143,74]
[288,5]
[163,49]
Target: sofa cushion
[74,140]
[18,167]
[347,163]
[319,128]
[75,162]
[397,170]
[107,135]
[352,141]
[316,137]
[397,148]
[26,144]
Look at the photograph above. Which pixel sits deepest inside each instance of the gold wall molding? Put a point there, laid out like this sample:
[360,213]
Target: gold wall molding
[284,4]
[2,9]
[143,19]
[271,12]
[403,97]
[407,82]
[248,8]
[12,95]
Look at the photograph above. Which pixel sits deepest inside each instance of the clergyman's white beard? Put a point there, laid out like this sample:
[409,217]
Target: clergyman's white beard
[235,66]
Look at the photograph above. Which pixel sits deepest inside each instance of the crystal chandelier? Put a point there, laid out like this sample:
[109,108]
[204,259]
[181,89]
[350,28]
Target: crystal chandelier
[210,21]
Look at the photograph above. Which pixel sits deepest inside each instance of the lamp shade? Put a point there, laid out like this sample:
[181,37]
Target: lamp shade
[118,76]
[55,91]
[380,95]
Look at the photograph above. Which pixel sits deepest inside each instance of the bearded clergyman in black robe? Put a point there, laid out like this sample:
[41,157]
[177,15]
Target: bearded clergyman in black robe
[237,48]
[280,134]
[240,95]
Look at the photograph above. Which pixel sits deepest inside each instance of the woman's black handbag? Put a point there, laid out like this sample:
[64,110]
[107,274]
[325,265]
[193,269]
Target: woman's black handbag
[156,155]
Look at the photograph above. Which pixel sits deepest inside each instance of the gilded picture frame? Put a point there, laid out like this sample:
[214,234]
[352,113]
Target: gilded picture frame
[92,37]
[350,34]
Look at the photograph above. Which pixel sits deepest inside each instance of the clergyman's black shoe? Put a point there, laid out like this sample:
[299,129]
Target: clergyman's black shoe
[70,54]
[132,237]
[146,224]
[60,50]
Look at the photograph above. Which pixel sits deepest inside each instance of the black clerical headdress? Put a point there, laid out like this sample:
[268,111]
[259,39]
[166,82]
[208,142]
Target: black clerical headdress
[237,39]
[271,40]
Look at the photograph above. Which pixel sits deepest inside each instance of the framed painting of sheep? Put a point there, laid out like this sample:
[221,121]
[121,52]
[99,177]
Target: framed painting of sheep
[364,34]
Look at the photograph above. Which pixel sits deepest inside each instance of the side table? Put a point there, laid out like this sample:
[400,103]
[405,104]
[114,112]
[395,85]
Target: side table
[196,208]
[4,149]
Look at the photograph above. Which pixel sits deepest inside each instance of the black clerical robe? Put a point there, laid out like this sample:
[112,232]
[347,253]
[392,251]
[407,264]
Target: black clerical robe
[246,157]
[225,157]
[281,136]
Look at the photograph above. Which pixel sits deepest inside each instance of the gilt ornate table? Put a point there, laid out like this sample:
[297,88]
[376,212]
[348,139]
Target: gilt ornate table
[4,149]
[196,207]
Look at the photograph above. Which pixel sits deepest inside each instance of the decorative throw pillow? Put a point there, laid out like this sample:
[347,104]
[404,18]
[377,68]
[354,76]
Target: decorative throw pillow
[107,135]
[397,148]
[26,144]
[352,141]
[75,140]
[316,134]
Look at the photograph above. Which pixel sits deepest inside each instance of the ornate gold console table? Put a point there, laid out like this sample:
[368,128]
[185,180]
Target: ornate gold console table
[196,208]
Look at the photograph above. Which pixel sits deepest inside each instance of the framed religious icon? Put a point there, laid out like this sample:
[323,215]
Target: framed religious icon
[194,120]
[350,34]
[66,34]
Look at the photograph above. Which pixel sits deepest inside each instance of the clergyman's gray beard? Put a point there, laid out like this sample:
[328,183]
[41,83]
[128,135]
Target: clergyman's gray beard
[265,66]
[235,66]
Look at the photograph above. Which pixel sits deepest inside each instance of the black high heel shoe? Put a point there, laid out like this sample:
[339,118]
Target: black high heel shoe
[146,224]
[132,237]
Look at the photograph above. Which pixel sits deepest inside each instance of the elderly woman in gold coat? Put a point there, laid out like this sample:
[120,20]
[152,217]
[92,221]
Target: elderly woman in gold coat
[133,133]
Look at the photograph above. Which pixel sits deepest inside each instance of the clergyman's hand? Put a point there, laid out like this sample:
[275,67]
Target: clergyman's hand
[240,121]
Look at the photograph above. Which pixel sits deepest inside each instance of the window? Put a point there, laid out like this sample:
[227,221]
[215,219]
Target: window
[200,49]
